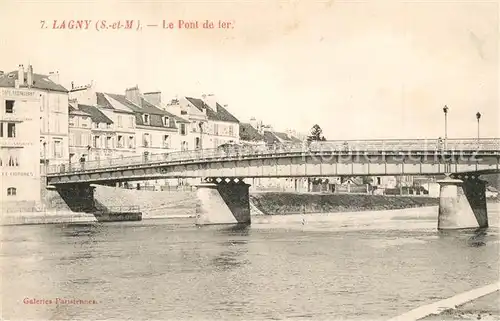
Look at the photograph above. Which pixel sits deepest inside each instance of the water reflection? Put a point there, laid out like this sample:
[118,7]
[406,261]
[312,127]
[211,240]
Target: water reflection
[474,237]
[153,270]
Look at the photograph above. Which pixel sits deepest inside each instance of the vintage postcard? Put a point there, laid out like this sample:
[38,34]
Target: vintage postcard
[249,160]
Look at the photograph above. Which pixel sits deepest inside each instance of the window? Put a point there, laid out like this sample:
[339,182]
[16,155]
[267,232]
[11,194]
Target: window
[85,139]
[197,143]
[97,142]
[1,129]
[166,121]
[146,140]
[184,146]
[183,129]
[108,126]
[119,121]
[216,129]
[120,141]
[78,139]
[166,140]
[131,122]
[11,191]
[231,130]
[71,139]
[57,149]
[83,123]
[58,125]
[9,106]
[145,118]
[11,130]
[71,122]
[42,149]
[109,142]
[131,142]
[13,161]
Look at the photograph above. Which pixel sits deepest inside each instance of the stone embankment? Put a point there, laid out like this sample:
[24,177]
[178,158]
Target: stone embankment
[152,204]
[272,203]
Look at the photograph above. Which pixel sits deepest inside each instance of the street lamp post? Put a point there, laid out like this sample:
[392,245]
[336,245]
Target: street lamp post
[478,116]
[445,110]
[45,157]
[201,135]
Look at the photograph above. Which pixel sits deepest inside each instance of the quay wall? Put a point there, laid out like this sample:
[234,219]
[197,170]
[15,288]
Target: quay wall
[152,204]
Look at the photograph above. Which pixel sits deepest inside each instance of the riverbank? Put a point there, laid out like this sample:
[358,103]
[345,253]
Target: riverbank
[273,203]
[56,217]
[155,204]
[483,308]
[478,304]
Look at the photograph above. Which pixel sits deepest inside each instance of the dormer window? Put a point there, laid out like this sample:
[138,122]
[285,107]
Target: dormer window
[145,118]
[166,121]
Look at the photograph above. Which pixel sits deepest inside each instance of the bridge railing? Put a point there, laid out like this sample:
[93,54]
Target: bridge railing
[340,146]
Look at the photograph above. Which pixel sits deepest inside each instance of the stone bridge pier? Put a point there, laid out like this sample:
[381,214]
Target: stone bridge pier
[223,201]
[77,197]
[462,202]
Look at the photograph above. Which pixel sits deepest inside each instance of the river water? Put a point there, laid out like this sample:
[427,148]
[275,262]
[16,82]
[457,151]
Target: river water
[354,266]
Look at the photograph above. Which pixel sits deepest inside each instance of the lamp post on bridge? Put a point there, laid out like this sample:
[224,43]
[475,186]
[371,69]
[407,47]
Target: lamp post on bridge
[445,110]
[201,135]
[478,116]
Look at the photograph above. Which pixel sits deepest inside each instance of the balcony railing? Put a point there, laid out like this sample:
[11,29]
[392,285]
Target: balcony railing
[414,145]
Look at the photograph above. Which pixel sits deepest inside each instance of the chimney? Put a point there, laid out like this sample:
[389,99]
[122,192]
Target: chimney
[29,79]
[254,123]
[20,75]
[134,95]
[73,103]
[54,77]
[153,98]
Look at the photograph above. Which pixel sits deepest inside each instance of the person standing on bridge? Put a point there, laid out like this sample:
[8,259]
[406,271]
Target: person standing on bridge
[440,144]
[82,162]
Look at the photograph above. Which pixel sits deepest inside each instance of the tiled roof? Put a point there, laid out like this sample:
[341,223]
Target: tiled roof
[220,115]
[95,114]
[270,138]
[155,113]
[39,82]
[286,137]
[249,133]
[102,101]
[76,112]
[278,137]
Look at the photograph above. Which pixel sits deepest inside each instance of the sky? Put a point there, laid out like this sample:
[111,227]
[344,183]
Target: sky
[359,69]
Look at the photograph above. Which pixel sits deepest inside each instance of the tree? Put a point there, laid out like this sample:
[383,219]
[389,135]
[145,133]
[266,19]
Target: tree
[316,134]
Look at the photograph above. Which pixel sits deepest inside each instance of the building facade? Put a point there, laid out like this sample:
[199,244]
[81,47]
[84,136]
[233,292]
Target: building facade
[34,131]
[19,145]
[103,136]
[211,124]
[119,119]
[80,138]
